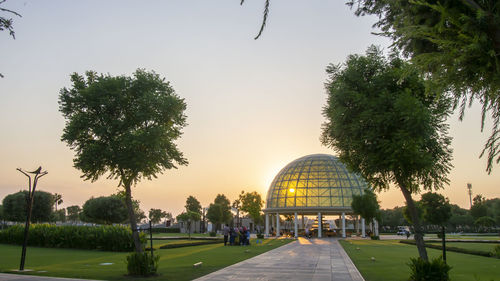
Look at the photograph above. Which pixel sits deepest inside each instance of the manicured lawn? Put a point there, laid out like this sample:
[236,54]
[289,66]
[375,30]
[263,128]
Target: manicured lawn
[487,247]
[178,235]
[175,264]
[391,258]
[158,243]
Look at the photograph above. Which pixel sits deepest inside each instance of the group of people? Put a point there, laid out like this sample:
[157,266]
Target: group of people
[236,236]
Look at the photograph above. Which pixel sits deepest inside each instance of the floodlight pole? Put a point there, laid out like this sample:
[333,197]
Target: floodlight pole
[31,192]
[469,187]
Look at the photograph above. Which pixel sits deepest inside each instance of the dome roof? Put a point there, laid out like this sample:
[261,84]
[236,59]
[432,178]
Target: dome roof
[314,182]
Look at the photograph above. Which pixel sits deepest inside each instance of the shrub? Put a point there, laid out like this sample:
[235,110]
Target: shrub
[496,251]
[142,264]
[260,235]
[436,270]
[375,237]
[106,238]
[213,234]
[166,230]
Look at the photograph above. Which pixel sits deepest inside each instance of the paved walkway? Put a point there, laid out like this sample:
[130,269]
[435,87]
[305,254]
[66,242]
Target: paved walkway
[315,259]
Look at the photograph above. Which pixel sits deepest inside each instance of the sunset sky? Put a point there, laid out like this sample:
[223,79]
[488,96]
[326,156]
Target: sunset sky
[253,105]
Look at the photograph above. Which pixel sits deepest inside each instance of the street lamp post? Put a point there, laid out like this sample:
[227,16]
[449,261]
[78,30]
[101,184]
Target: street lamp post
[31,192]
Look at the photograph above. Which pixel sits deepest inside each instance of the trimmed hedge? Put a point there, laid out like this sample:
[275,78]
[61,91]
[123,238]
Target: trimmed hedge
[105,238]
[451,249]
[187,244]
[164,230]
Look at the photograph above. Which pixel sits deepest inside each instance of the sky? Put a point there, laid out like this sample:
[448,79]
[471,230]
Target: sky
[253,106]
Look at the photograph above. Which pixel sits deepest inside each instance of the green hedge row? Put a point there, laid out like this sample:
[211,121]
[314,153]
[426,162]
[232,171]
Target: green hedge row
[451,249]
[187,244]
[106,238]
[165,230]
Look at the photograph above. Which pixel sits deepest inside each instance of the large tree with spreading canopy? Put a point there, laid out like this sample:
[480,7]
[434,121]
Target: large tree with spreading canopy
[384,125]
[124,127]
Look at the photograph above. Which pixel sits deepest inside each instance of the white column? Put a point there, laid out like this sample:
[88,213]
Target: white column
[296,230]
[266,232]
[277,224]
[375,226]
[343,225]
[363,228]
[320,225]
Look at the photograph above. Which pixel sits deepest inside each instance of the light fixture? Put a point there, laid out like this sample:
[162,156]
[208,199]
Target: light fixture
[292,190]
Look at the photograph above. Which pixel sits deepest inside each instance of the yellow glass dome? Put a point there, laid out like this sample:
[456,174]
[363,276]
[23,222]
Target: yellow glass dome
[318,181]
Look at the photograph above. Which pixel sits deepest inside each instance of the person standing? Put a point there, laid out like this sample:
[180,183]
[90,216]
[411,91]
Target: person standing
[226,234]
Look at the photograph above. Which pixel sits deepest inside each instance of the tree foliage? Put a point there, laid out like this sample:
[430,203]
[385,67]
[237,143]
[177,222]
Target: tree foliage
[436,208]
[124,127]
[193,205]
[251,203]
[189,217]
[15,206]
[457,43]
[219,212]
[104,210]
[366,205]
[73,212]
[155,215]
[385,126]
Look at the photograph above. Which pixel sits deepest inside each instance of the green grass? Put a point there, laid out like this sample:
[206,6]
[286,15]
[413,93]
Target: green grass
[175,264]
[487,247]
[178,235]
[391,258]
[158,243]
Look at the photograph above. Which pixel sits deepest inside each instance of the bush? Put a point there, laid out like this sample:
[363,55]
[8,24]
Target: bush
[142,264]
[166,230]
[375,237]
[213,234]
[106,238]
[496,251]
[436,270]
[260,235]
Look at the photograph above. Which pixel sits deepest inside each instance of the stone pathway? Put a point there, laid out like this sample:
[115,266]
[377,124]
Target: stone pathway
[315,259]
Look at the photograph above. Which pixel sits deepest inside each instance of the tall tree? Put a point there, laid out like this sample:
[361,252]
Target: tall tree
[139,214]
[437,211]
[155,215]
[15,209]
[251,203]
[220,211]
[104,210]
[193,205]
[73,212]
[57,200]
[457,43]
[366,205]
[124,127]
[189,217]
[385,127]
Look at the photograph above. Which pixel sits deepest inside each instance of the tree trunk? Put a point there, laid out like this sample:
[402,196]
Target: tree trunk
[419,239]
[131,215]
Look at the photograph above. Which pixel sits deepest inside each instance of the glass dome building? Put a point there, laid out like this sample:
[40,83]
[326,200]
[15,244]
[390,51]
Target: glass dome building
[317,184]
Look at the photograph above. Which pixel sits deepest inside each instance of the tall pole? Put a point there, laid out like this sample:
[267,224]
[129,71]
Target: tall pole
[469,187]
[31,192]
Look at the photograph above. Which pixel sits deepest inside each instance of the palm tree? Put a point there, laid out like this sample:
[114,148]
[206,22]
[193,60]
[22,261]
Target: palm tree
[57,200]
